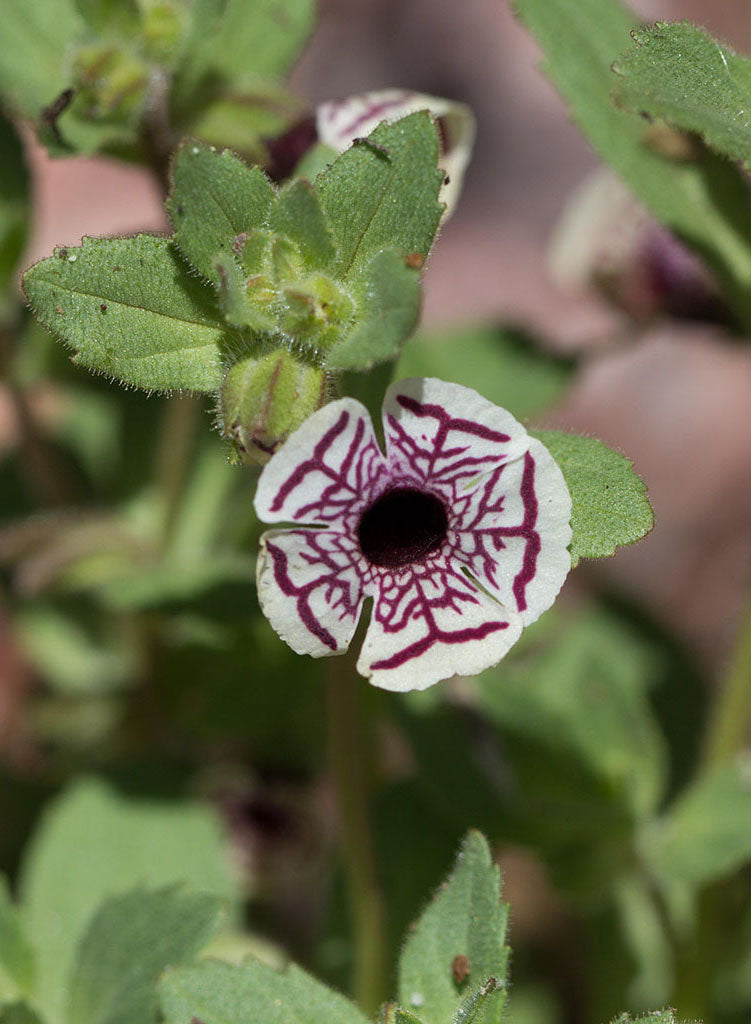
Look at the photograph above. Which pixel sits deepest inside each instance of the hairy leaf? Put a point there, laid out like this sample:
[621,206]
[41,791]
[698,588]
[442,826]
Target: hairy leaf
[131,310]
[704,200]
[680,73]
[217,993]
[610,503]
[453,965]
[383,192]
[131,940]
[91,844]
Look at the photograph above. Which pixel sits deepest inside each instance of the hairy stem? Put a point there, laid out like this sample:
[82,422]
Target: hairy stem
[728,730]
[358,854]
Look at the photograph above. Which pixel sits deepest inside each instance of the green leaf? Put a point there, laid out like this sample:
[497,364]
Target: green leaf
[218,993]
[704,835]
[91,844]
[35,38]
[262,37]
[397,1015]
[465,920]
[705,200]
[507,366]
[298,215]
[131,940]
[389,308]
[215,197]
[18,1013]
[16,956]
[610,503]
[680,73]
[383,193]
[131,310]
[656,1017]
[14,208]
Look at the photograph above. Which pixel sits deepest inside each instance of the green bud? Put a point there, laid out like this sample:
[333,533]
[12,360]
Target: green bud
[111,83]
[316,311]
[263,399]
[162,28]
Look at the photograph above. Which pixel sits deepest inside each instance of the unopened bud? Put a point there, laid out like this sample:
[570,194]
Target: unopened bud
[265,398]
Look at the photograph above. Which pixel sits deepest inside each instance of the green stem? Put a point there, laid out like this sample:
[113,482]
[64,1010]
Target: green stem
[173,457]
[728,730]
[348,771]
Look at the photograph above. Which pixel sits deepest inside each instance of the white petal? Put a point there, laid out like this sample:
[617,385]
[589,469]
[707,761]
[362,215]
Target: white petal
[323,469]
[513,532]
[339,122]
[309,589]
[431,627]
[448,434]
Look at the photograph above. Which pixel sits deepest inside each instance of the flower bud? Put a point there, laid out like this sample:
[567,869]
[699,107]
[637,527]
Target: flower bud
[264,398]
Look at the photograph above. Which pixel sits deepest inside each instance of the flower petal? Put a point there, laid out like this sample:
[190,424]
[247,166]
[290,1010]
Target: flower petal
[512,532]
[309,589]
[432,624]
[322,471]
[340,122]
[448,435]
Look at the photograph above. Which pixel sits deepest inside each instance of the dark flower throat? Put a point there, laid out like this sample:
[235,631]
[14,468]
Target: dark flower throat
[402,526]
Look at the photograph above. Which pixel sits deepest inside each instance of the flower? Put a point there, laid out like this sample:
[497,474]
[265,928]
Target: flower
[459,533]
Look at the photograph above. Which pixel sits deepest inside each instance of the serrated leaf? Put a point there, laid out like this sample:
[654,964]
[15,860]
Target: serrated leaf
[458,945]
[131,310]
[680,73]
[127,843]
[704,200]
[610,503]
[215,197]
[505,365]
[704,835]
[656,1017]
[383,193]
[35,37]
[218,993]
[390,305]
[16,956]
[131,940]
[14,207]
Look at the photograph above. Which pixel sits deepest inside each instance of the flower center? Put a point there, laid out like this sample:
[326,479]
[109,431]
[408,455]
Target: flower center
[404,525]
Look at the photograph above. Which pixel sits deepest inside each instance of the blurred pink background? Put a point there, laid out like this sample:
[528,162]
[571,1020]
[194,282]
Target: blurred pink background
[676,401]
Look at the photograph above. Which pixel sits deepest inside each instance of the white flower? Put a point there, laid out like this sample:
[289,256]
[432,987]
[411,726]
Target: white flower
[340,122]
[459,533]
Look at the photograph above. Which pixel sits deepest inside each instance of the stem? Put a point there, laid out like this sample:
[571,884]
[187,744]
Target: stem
[348,770]
[728,729]
[173,457]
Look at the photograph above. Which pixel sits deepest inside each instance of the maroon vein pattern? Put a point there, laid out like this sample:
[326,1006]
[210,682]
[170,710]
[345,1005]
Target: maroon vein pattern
[429,619]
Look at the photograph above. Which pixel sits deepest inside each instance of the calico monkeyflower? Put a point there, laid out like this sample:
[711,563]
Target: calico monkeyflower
[459,533]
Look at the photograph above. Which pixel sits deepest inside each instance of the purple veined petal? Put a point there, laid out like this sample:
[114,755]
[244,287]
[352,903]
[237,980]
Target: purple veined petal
[340,122]
[513,530]
[447,435]
[431,625]
[309,589]
[324,471]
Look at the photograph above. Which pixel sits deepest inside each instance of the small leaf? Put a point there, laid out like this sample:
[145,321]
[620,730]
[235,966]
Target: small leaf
[298,215]
[16,956]
[703,200]
[655,1017]
[131,310]
[131,940]
[127,843]
[218,993]
[610,503]
[505,365]
[392,1014]
[465,922]
[704,835]
[680,73]
[383,192]
[389,293]
[215,197]
[14,208]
